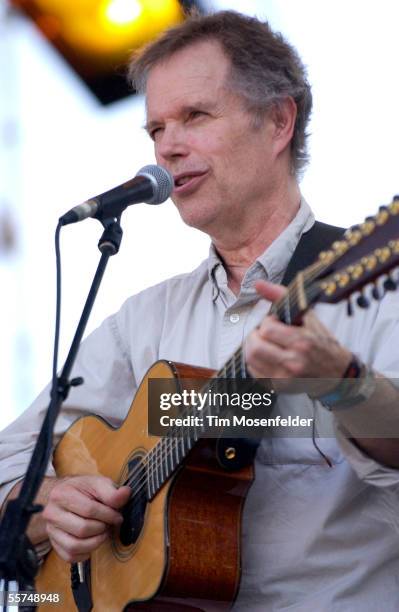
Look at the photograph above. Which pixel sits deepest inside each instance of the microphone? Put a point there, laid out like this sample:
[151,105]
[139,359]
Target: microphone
[151,185]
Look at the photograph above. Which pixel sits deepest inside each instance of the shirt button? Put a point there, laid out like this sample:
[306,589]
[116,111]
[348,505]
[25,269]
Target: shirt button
[234,318]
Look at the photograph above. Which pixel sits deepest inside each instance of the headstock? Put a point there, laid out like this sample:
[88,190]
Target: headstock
[360,240]
[366,252]
[368,269]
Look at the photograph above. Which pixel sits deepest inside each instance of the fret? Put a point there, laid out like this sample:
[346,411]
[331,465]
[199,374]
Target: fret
[176,446]
[183,450]
[232,367]
[170,454]
[156,467]
[232,378]
[287,309]
[243,368]
[189,443]
[161,461]
[237,362]
[224,385]
[147,479]
[151,471]
[301,291]
[167,458]
[167,469]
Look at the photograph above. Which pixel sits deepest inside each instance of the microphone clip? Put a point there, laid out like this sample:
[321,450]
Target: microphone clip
[110,240]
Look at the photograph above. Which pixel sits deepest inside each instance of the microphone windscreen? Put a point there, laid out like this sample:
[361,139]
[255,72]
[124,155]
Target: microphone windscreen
[162,180]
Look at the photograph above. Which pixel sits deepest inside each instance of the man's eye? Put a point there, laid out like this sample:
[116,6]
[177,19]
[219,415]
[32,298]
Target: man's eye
[195,114]
[155,132]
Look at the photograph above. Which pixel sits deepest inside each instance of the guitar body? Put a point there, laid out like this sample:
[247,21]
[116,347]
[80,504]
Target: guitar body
[187,554]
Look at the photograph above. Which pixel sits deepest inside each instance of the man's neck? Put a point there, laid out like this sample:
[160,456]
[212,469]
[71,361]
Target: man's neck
[253,240]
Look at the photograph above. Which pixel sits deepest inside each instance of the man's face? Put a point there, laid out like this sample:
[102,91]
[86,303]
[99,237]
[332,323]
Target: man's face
[222,165]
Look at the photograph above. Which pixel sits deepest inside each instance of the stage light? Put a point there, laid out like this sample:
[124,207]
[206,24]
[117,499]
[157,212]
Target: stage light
[97,36]
[122,12]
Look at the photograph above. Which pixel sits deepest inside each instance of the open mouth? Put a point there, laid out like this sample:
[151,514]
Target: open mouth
[185,183]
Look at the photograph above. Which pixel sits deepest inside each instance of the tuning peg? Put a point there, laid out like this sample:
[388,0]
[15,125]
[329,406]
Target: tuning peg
[382,215]
[362,301]
[376,293]
[389,284]
[394,207]
[349,308]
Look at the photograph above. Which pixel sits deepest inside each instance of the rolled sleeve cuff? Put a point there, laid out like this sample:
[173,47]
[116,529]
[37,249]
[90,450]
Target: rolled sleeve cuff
[366,468]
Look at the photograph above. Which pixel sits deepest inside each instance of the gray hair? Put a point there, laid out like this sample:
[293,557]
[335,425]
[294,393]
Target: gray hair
[265,68]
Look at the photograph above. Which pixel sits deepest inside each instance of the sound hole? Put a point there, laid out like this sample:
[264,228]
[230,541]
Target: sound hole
[134,511]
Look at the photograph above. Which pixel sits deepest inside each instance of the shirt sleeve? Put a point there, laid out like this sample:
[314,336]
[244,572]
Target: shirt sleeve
[366,468]
[108,390]
[379,351]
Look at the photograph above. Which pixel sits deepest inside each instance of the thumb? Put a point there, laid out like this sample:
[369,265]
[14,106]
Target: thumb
[121,496]
[270,291]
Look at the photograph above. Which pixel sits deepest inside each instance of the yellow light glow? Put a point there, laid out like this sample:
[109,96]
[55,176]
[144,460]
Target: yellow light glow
[123,12]
[110,29]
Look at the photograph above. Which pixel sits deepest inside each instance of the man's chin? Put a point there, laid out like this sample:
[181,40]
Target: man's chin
[192,218]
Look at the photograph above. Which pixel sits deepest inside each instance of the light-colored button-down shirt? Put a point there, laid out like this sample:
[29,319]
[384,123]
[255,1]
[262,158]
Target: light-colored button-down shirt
[315,538]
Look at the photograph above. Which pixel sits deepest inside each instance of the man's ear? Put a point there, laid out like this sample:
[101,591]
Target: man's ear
[283,114]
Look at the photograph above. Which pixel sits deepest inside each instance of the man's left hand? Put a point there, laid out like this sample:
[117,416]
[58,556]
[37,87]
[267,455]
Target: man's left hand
[275,350]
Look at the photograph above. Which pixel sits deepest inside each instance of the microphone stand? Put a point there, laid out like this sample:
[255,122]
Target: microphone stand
[18,560]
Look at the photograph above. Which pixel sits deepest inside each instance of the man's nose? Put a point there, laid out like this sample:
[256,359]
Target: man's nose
[171,143]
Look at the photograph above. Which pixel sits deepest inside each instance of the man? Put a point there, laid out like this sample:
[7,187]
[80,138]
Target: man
[227,109]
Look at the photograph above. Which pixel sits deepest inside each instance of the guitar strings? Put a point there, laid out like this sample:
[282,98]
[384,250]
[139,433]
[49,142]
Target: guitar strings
[175,436]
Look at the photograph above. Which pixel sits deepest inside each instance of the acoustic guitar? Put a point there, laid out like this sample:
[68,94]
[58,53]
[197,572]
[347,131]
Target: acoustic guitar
[179,545]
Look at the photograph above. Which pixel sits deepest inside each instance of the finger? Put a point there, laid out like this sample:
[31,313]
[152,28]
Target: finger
[81,503]
[283,335]
[73,524]
[71,547]
[270,291]
[312,323]
[64,554]
[121,496]
[103,489]
[268,359]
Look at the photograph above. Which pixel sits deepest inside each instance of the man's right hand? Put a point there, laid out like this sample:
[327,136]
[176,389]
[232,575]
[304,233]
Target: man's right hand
[80,512]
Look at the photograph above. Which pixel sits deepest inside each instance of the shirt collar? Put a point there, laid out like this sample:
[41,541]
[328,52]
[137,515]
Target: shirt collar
[272,263]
